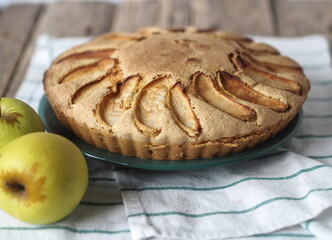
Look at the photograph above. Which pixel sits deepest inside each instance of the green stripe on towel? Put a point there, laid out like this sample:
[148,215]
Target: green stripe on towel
[228,185]
[313,136]
[101,204]
[320,157]
[199,215]
[285,235]
[101,179]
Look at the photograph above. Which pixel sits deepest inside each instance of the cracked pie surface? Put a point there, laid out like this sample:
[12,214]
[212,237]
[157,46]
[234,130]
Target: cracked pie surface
[185,94]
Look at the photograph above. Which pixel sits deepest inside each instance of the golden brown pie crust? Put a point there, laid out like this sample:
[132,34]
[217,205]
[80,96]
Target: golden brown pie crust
[166,94]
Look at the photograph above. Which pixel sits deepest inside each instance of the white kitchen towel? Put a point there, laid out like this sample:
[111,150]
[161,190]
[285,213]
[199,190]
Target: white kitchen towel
[276,197]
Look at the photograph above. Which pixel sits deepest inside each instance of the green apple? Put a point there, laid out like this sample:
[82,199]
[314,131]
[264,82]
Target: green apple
[43,177]
[16,119]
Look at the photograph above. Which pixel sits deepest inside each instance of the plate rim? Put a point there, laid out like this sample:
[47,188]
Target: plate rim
[176,165]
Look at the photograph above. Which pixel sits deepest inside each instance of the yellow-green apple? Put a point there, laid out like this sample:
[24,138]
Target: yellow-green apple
[43,177]
[16,119]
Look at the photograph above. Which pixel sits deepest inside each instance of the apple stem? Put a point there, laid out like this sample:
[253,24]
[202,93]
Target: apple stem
[17,187]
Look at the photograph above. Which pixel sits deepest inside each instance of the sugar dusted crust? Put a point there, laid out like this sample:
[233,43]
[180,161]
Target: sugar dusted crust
[174,95]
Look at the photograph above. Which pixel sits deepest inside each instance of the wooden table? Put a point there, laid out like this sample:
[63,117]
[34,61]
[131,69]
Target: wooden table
[20,25]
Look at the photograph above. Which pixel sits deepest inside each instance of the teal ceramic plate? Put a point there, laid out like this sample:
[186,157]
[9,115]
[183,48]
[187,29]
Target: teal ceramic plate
[52,124]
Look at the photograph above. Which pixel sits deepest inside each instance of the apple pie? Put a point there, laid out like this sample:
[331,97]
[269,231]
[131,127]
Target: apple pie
[175,94]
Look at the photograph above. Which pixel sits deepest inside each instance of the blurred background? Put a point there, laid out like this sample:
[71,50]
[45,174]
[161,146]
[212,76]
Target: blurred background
[23,21]
[84,17]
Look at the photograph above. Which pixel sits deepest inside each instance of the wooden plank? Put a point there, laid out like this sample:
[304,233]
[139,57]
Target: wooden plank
[132,15]
[65,19]
[243,16]
[77,19]
[162,13]
[21,67]
[16,23]
[301,18]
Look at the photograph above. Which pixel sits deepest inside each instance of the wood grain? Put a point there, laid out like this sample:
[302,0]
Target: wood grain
[243,16]
[16,23]
[132,15]
[300,18]
[76,19]
[175,14]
